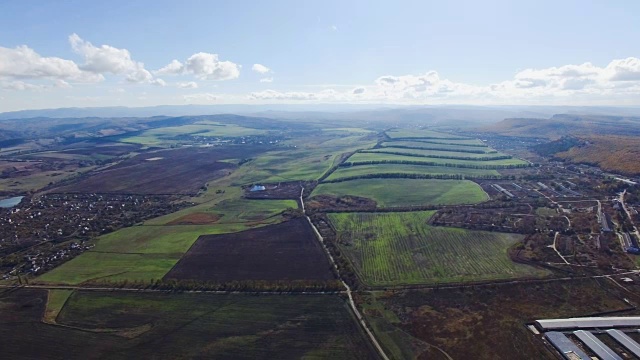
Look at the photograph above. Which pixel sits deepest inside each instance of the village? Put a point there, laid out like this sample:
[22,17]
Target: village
[40,233]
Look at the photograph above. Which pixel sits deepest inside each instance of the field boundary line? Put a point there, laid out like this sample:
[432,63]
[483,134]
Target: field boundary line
[352,304]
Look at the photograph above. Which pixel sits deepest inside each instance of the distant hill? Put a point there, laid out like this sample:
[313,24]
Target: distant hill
[566,124]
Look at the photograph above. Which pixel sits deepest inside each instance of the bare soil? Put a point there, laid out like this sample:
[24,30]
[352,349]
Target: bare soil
[286,251]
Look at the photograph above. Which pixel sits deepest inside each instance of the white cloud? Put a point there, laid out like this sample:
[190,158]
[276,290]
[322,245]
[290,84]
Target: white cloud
[188,85]
[24,63]
[585,83]
[204,66]
[333,28]
[21,86]
[266,80]
[200,98]
[61,84]
[259,68]
[109,59]
[175,67]
[625,69]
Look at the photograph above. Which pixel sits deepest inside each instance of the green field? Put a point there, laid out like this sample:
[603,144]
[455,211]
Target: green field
[421,133]
[432,146]
[160,136]
[118,325]
[362,157]
[349,171]
[407,192]
[401,248]
[149,251]
[427,153]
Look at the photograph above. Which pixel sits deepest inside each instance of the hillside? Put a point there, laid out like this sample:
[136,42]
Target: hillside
[566,124]
[618,154]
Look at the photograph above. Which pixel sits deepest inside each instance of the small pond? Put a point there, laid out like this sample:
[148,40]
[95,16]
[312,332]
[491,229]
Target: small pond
[10,202]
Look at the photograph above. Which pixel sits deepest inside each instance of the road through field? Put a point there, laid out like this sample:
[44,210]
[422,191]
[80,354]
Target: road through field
[348,289]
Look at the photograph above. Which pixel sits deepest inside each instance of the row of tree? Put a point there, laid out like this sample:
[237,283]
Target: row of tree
[179,285]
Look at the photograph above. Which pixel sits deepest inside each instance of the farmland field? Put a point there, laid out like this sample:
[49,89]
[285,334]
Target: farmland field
[421,133]
[400,248]
[349,171]
[407,192]
[462,142]
[286,251]
[149,251]
[181,171]
[431,146]
[441,153]
[164,135]
[115,325]
[364,157]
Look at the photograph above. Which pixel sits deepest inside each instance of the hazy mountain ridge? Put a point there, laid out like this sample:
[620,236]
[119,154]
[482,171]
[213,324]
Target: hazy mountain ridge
[560,125]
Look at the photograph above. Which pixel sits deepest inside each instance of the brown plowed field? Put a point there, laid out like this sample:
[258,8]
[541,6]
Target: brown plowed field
[286,251]
[181,171]
[196,219]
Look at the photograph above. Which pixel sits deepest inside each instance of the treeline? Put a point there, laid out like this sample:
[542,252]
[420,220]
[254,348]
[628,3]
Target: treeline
[471,151]
[419,176]
[431,163]
[180,285]
[335,167]
[483,158]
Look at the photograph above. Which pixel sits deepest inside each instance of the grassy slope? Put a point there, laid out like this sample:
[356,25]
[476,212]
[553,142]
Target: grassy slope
[406,192]
[400,248]
[344,172]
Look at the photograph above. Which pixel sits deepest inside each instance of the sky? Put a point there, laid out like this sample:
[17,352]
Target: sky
[142,53]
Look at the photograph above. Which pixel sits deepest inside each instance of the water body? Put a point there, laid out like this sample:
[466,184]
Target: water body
[10,202]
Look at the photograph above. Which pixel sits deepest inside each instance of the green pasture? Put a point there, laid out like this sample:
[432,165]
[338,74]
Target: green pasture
[407,192]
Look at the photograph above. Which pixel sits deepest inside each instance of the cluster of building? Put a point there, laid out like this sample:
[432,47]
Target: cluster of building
[607,338]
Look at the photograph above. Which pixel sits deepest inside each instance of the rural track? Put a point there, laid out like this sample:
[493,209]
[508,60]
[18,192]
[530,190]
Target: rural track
[352,304]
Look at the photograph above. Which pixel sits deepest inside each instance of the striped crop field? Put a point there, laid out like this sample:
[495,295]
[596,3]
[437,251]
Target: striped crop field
[389,249]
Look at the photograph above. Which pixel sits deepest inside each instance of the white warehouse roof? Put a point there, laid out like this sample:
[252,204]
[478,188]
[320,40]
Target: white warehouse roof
[589,322]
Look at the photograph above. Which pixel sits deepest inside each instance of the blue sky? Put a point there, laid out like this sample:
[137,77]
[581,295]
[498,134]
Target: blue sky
[79,53]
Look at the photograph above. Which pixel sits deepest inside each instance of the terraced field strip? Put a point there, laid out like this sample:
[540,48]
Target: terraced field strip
[402,249]
[422,133]
[363,157]
[382,169]
[431,146]
[436,153]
